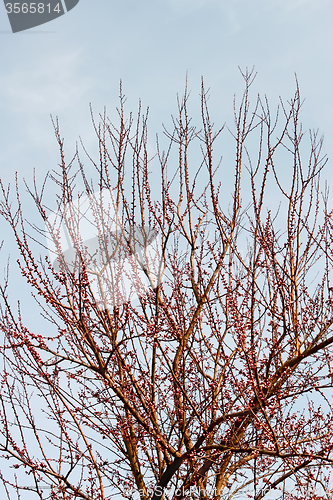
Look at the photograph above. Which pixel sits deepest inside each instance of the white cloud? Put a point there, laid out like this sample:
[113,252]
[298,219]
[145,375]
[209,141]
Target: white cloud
[51,85]
[190,5]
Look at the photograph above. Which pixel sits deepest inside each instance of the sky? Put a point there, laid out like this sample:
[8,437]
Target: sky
[62,66]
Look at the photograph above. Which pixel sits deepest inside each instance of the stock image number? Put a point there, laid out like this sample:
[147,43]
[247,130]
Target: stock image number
[31,8]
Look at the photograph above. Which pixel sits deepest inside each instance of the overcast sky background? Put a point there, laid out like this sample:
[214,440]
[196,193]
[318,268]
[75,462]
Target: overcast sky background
[79,58]
[62,66]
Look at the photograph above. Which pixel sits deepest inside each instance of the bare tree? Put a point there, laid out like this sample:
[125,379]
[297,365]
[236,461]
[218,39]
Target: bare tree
[216,381]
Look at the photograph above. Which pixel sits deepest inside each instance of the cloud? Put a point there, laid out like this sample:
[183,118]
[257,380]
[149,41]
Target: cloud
[193,5]
[52,84]
[190,5]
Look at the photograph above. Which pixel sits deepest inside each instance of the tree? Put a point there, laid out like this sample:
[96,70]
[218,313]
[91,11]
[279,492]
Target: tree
[216,382]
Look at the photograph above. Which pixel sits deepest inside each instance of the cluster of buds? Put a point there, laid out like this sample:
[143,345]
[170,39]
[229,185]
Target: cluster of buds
[121,261]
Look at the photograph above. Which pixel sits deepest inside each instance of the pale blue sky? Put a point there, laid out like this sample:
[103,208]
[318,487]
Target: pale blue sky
[79,58]
[150,45]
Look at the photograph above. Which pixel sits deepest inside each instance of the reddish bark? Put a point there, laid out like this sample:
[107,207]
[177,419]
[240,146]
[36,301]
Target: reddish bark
[218,381]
